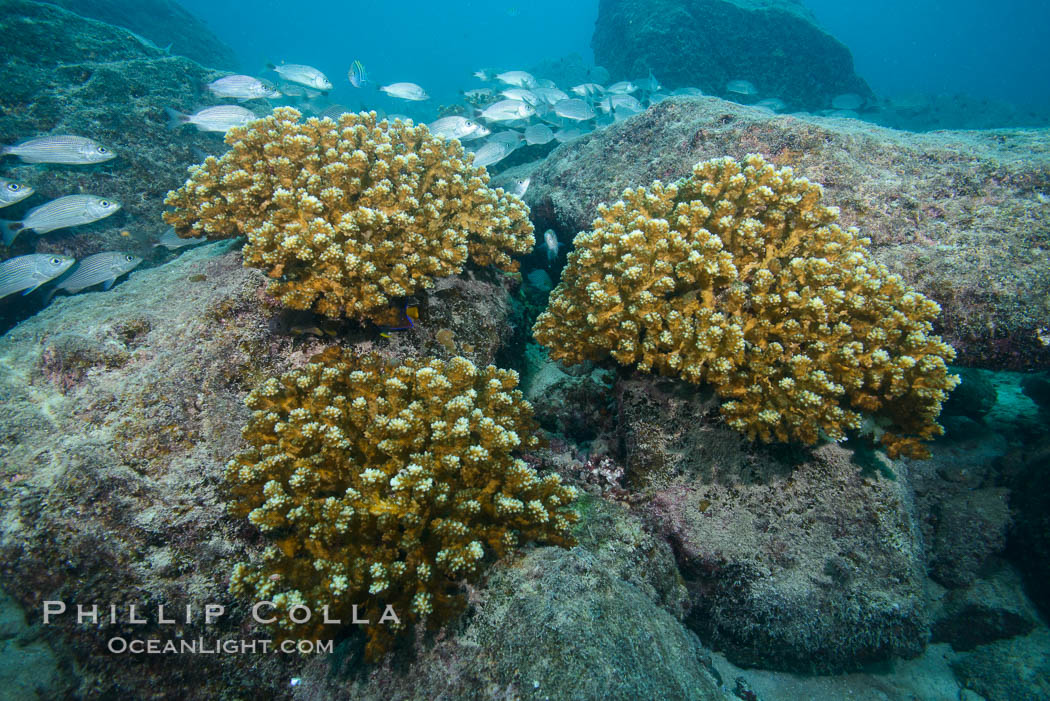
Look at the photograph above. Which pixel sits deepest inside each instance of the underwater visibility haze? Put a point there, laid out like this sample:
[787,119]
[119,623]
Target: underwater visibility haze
[629,349]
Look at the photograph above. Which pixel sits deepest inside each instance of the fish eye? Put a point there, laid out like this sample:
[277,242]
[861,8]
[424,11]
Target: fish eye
[129,258]
[104,203]
[55,260]
[14,187]
[102,149]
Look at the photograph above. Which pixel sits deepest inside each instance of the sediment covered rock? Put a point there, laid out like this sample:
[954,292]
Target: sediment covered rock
[162,22]
[807,560]
[961,216]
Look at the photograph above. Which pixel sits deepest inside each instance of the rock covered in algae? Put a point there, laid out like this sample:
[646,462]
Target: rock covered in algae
[961,216]
[384,485]
[347,216]
[740,277]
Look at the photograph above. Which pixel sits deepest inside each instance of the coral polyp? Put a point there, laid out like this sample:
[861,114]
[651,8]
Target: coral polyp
[382,485]
[347,215]
[739,277]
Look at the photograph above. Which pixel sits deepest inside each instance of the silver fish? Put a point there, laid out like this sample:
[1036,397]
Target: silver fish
[519,187]
[242,87]
[102,267]
[550,95]
[588,90]
[11,192]
[771,103]
[507,111]
[458,128]
[219,118]
[741,87]
[61,148]
[523,94]
[296,90]
[564,135]
[510,137]
[551,243]
[574,109]
[519,79]
[848,101]
[169,239]
[406,91]
[334,112]
[609,103]
[624,87]
[71,210]
[492,152]
[303,75]
[650,84]
[30,272]
[538,134]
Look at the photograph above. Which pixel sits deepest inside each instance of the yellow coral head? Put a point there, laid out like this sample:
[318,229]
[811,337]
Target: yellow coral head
[347,215]
[384,486]
[740,277]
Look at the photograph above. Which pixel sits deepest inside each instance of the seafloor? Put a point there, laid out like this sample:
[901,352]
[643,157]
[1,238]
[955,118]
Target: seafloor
[707,566]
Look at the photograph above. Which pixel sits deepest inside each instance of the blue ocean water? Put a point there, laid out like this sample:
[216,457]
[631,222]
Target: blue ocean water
[901,47]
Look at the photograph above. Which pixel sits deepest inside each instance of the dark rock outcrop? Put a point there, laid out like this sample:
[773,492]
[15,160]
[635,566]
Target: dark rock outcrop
[961,216]
[806,560]
[774,44]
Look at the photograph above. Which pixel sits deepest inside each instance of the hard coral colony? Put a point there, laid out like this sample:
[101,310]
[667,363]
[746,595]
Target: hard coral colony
[740,277]
[348,215]
[381,485]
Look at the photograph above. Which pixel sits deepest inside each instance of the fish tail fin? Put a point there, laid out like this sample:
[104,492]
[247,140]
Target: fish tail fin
[11,230]
[167,49]
[175,118]
[34,288]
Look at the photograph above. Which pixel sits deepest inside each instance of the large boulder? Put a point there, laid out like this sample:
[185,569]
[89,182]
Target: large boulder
[804,560]
[163,23]
[774,44]
[960,215]
[556,625]
[121,408]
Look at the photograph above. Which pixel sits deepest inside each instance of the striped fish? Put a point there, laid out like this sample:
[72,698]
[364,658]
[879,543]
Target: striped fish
[242,87]
[358,75]
[71,210]
[11,192]
[60,148]
[102,267]
[169,239]
[30,272]
[219,118]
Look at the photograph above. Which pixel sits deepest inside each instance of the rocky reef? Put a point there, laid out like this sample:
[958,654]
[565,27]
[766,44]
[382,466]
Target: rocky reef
[121,412]
[102,83]
[960,216]
[163,23]
[774,44]
[702,565]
